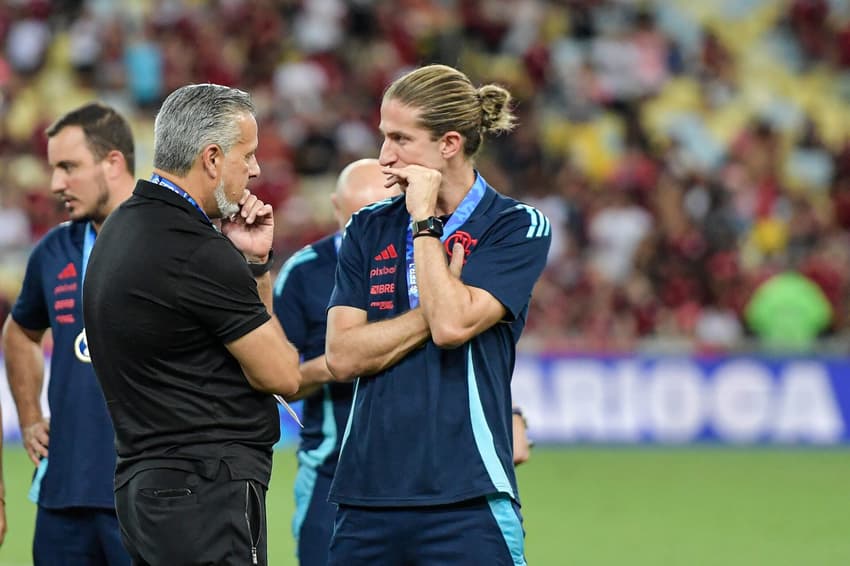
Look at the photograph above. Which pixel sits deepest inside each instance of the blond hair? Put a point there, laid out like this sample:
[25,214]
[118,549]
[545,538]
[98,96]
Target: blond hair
[448,101]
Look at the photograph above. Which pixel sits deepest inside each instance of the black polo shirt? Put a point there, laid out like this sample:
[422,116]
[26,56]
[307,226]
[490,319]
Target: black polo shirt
[164,292]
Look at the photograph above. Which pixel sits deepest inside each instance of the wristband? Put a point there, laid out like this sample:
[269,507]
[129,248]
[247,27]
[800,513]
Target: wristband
[258,269]
[431,226]
[518,412]
[426,233]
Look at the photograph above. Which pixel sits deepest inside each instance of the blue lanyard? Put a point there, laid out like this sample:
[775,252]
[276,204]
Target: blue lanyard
[175,189]
[337,241]
[88,244]
[458,218]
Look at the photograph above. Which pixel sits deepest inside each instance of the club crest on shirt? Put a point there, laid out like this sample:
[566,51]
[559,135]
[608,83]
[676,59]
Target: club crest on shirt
[81,347]
[462,238]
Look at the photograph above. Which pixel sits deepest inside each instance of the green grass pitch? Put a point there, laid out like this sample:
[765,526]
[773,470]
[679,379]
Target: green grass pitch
[626,506]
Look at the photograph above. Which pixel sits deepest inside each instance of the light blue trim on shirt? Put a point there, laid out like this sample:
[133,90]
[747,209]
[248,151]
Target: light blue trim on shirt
[35,488]
[305,483]
[314,458]
[302,256]
[483,435]
[540,225]
[310,460]
[503,511]
[350,415]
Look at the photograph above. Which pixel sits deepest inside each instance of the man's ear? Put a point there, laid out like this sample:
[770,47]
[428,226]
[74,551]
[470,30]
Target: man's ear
[114,164]
[211,158]
[451,144]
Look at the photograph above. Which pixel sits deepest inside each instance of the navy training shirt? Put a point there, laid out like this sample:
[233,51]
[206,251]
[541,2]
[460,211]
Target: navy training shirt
[301,294]
[436,427]
[81,463]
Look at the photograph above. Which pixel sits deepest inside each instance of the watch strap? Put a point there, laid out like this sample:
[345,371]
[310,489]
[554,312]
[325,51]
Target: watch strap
[432,226]
[426,233]
[258,269]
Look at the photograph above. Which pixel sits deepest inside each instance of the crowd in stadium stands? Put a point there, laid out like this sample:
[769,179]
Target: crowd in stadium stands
[684,151]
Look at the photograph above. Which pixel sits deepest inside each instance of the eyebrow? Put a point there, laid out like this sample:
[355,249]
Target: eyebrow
[400,133]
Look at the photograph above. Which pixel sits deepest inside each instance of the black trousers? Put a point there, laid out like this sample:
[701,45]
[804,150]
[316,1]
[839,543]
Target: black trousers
[173,517]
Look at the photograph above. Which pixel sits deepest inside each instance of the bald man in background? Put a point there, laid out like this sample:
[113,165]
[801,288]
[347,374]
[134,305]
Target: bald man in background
[301,294]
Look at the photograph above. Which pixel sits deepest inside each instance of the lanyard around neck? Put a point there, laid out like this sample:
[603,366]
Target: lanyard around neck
[88,244]
[175,189]
[458,218]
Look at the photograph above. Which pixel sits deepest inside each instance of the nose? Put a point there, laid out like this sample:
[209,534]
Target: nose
[387,157]
[254,168]
[58,181]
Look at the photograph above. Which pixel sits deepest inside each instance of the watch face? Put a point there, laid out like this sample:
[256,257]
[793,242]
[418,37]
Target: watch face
[437,226]
[432,224]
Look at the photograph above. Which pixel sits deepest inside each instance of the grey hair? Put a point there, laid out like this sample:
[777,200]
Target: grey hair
[193,117]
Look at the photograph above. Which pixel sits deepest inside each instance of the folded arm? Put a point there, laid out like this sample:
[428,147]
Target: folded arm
[269,361]
[454,312]
[314,374]
[357,347]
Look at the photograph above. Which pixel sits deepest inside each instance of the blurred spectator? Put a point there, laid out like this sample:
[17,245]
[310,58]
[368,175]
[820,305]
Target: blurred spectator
[28,38]
[616,229]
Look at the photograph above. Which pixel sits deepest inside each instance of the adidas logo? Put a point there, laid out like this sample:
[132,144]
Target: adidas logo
[387,253]
[68,272]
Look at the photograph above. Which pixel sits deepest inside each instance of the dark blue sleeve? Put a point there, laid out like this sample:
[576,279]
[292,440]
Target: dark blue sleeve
[30,309]
[289,298]
[510,257]
[350,281]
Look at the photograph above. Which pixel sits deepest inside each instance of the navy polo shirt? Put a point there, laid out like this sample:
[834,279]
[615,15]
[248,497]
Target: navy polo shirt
[436,427]
[81,463]
[301,293]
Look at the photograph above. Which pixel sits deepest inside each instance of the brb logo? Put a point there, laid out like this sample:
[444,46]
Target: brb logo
[462,238]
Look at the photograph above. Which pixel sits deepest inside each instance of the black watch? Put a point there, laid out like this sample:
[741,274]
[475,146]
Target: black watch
[431,226]
[258,269]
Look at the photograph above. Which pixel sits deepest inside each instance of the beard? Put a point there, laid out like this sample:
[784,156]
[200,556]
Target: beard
[226,209]
[99,209]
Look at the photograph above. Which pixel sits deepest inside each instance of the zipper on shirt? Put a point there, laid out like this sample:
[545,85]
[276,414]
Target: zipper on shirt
[250,491]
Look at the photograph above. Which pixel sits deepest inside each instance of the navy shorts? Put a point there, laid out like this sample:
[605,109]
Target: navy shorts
[79,535]
[486,531]
[313,523]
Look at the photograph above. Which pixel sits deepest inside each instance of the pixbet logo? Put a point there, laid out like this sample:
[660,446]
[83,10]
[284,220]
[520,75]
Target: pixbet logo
[379,271]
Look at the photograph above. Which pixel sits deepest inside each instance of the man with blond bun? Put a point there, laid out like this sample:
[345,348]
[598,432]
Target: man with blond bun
[430,299]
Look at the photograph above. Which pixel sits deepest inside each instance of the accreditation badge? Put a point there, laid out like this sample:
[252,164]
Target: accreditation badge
[81,347]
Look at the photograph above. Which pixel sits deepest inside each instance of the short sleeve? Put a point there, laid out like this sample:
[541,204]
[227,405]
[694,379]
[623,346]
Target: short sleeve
[350,284]
[30,309]
[220,291]
[289,297]
[510,258]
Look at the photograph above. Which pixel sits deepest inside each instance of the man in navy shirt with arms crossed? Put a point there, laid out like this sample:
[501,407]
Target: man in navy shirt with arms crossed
[425,472]
[90,150]
[301,295]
